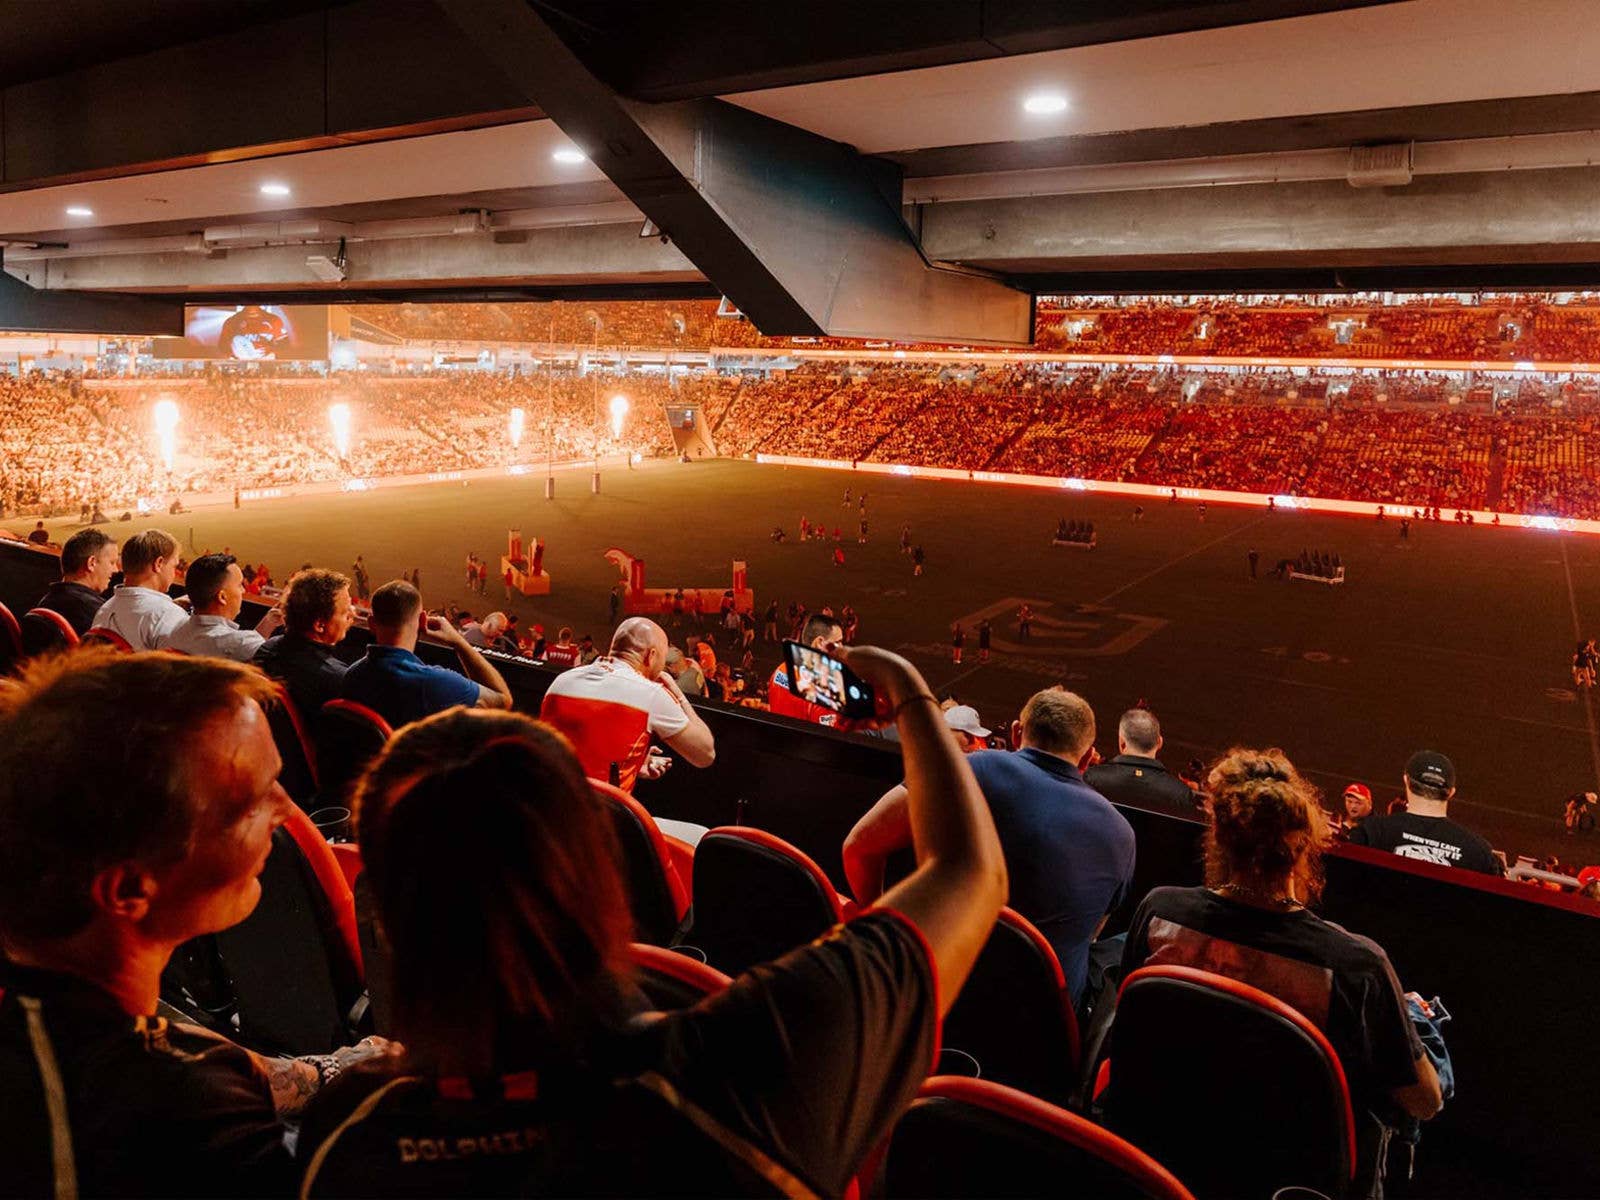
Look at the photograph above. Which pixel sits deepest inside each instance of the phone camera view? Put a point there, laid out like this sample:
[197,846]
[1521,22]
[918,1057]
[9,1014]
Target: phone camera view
[823,680]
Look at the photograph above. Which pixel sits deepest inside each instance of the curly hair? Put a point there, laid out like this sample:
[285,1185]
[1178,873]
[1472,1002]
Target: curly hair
[1267,824]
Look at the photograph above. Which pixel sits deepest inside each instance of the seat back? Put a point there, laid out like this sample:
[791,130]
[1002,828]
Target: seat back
[10,641]
[656,893]
[108,637]
[756,897]
[44,630]
[1015,1016]
[970,1137]
[295,962]
[671,980]
[298,775]
[1235,1091]
[348,737]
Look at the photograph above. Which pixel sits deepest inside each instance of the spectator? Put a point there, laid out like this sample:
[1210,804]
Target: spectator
[963,721]
[565,652]
[317,613]
[396,684]
[38,536]
[1355,806]
[1068,851]
[140,611]
[110,860]
[587,651]
[1252,921]
[819,631]
[762,1086]
[1136,777]
[216,594]
[88,561]
[690,678]
[1423,829]
[611,708]
[482,635]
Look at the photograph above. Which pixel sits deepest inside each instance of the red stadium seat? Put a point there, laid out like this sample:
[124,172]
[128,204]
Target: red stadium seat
[295,963]
[672,980]
[348,737]
[44,629]
[10,641]
[1235,1091]
[108,637]
[970,1137]
[756,897]
[657,893]
[298,775]
[1015,1016]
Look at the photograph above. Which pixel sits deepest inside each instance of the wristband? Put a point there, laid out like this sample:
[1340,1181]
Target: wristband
[928,696]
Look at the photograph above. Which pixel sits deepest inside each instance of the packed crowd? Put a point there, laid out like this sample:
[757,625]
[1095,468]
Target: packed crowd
[91,910]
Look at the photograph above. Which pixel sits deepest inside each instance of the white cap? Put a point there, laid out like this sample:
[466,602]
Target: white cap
[965,718]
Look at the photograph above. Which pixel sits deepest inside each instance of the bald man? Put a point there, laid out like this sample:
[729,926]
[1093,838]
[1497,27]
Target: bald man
[612,707]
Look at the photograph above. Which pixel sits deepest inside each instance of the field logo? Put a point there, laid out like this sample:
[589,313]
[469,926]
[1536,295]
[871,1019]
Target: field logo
[1068,631]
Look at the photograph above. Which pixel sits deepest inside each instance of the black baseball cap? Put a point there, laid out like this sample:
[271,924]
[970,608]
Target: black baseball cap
[1432,771]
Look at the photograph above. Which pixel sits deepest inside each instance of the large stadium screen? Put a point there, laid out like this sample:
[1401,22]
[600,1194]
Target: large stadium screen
[250,333]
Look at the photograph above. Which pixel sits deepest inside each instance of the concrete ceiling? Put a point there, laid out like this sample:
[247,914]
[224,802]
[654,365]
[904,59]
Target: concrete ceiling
[165,125]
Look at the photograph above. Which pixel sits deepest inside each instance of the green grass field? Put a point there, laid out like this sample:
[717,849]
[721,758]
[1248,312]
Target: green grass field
[1457,639]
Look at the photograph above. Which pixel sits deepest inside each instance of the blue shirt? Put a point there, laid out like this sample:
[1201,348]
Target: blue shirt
[1069,853]
[401,688]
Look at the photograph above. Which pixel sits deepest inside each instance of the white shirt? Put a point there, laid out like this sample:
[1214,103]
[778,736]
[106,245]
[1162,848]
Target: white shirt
[214,637]
[142,616]
[608,711]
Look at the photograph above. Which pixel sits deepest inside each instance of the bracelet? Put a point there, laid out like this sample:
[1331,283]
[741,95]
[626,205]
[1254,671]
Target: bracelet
[928,696]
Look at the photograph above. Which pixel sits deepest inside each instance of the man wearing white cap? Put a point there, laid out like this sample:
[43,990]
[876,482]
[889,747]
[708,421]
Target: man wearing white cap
[970,734]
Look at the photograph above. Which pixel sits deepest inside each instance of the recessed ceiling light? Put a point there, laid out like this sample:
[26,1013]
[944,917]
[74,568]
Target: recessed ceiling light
[570,155]
[274,189]
[79,210]
[1042,104]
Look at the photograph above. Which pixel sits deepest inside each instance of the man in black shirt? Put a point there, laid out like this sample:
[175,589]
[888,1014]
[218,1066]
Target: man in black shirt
[88,561]
[1423,831]
[108,862]
[1136,777]
[317,614]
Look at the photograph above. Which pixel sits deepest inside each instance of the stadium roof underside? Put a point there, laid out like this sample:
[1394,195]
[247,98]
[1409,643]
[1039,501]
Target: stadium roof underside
[832,168]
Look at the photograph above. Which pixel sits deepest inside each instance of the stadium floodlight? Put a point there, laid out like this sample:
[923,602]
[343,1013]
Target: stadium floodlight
[339,418]
[166,419]
[518,418]
[619,414]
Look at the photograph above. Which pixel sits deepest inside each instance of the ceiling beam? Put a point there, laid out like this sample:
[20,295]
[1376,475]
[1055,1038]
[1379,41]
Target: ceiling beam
[802,233]
[26,310]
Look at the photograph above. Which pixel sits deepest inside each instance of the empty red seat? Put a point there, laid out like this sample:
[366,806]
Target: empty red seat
[298,775]
[348,736]
[671,980]
[108,637]
[656,892]
[1014,1014]
[756,897]
[1234,1090]
[44,630]
[10,641]
[970,1137]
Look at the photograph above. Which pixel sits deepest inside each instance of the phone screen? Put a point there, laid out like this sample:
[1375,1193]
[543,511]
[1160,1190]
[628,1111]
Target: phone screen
[821,679]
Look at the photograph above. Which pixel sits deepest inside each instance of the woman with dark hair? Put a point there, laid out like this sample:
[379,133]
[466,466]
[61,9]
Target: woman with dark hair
[532,1064]
[1252,922]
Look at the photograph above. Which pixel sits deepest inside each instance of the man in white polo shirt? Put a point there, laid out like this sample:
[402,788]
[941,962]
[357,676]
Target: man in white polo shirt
[140,612]
[216,594]
[610,709]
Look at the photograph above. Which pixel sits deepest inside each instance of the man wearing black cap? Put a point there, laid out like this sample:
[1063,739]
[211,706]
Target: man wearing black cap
[1423,830]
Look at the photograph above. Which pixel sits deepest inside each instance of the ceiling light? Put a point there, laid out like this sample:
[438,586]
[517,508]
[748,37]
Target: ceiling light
[274,189]
[1043,104]
[570,155]
[79,210]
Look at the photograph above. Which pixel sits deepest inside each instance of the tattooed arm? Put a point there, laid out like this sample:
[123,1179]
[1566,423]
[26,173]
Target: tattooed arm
[295,1080]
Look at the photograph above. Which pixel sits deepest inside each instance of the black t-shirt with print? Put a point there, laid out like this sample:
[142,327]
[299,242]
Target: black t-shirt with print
[779,1085]
[1437,840]
[154,1108]
[1341,982]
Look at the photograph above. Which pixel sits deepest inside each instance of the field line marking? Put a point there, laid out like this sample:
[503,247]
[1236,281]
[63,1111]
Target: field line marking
[1577,634]
[1151,574]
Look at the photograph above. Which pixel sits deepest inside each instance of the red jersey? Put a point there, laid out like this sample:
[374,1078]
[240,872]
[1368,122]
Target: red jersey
[786,704]
[608,711]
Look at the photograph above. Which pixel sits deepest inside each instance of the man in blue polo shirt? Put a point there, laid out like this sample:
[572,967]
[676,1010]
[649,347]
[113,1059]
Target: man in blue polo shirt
[401,688]
[1068,851]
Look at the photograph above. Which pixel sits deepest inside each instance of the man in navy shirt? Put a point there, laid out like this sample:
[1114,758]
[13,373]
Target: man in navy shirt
[393,682]
[1068,851]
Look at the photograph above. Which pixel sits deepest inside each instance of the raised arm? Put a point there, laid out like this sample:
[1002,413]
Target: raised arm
[493,691]
[882,829]
[959,884]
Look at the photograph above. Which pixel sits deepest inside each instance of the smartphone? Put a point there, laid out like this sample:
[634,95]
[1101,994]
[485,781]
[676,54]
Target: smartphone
[821,679]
